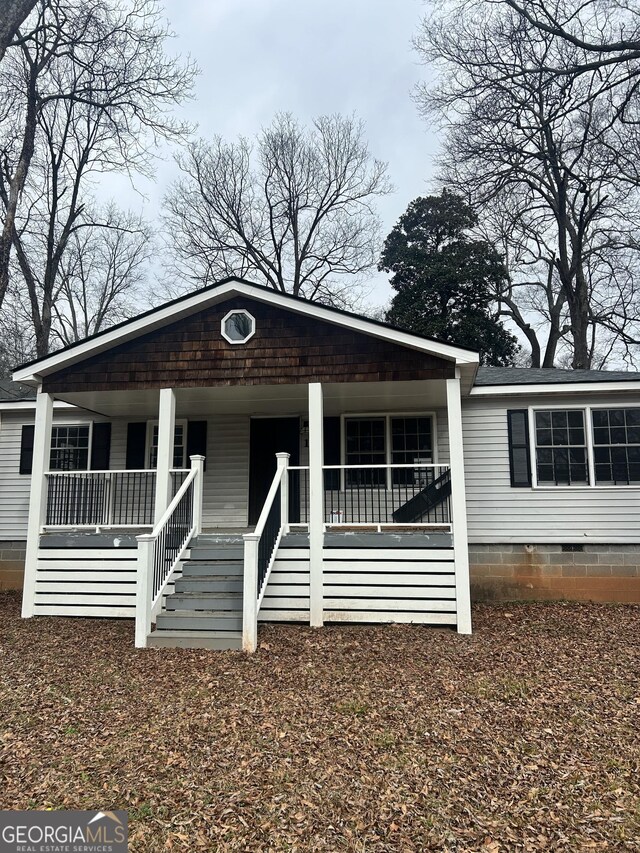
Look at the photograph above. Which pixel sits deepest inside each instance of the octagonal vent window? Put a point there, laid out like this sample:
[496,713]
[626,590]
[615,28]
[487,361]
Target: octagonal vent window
[238,327]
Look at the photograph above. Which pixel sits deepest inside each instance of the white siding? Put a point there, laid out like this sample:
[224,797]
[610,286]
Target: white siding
[442,437]
[226,480]
[365,585]
[498,513]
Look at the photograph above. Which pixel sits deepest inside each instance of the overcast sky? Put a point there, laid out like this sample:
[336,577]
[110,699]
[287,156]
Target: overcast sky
[258,57]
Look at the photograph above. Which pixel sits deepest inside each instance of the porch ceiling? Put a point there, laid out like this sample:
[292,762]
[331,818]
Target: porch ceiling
[339,398]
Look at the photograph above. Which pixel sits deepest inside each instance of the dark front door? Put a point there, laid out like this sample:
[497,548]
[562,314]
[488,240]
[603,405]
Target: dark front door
[268,437]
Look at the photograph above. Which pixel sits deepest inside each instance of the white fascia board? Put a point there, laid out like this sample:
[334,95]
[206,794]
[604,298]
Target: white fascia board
[32,374]
[8,406]
[554,388]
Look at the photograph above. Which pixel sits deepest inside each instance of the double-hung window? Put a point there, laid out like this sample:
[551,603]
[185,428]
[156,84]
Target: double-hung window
[561,447]
[588,446]
[384,440]
[70,448]
[365,445]
[616,446]
[179,445]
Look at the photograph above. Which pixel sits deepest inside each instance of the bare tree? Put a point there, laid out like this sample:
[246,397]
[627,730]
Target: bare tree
[544,153]
[99,94]
[102,276]
[607,32]
[12,15]
[295,210]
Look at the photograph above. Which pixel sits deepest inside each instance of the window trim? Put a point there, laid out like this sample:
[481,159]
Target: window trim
[386,416]
[252,321]
[89,446]
[587,409]
[183,422]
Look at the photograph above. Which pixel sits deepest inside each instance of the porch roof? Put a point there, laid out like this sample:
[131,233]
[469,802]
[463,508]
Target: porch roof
[338,398]
[185,308]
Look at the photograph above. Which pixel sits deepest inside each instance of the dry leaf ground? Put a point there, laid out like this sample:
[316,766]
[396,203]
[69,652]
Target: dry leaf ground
[393,738]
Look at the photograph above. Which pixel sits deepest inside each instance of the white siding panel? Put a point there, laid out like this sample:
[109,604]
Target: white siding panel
[86,582]
[226,480]
[365,585]
[499,514]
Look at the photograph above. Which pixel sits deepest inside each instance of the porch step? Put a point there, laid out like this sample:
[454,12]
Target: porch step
[207,568]
[219,640]
[190,620]
[210,583]
[216,552]
[205,610]
[204,601]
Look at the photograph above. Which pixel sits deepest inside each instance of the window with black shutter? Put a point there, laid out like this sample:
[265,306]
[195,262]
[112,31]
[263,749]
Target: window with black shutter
[519,450]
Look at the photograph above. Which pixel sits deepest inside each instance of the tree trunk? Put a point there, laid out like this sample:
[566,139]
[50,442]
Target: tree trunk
[12,15]
[17,184]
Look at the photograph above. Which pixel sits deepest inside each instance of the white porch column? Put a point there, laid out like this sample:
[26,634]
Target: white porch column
[198,493]
[458,506]
[166,431]
[37,496]
[283,462]
[316,505]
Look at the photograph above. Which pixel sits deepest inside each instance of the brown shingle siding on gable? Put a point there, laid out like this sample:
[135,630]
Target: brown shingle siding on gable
[287,348]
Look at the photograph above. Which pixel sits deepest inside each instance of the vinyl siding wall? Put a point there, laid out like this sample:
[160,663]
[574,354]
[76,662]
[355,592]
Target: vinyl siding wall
[498,513]
[226,483]
[14,487]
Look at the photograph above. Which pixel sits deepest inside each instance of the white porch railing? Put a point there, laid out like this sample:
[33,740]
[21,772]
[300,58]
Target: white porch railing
[260,549]
[103,499]
[160,551]
[414,495]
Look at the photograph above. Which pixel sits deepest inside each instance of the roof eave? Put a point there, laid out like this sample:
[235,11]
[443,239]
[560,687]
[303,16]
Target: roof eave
[555,388]
[32,374]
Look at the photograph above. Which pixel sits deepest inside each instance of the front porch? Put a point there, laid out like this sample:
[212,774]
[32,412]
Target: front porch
[348,541]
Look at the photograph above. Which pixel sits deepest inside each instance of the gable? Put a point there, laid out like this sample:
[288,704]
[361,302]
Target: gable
[287,347]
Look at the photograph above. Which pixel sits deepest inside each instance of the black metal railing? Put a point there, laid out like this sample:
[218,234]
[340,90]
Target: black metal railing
[269,538]
[77,499]
[104,498]
[298,495]
[388,495]
[133,498]
[172,538]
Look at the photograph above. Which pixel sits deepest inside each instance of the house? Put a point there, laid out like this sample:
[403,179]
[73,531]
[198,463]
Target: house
[239,455]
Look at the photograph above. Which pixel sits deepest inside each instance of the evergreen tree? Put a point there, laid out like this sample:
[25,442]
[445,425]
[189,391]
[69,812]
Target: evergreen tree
[446,281]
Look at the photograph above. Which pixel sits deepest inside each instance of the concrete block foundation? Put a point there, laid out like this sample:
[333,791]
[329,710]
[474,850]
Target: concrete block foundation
[12,554]
[578,572]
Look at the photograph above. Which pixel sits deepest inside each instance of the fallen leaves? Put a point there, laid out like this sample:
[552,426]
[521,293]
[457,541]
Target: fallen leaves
[520,738]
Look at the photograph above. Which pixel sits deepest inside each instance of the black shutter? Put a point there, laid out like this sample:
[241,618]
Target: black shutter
[331,433]
[519,452]
[197,441]
[26,448]
[136,445]
[101,447]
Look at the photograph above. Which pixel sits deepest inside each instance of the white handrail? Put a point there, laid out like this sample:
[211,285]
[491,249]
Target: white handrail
[389,465]
[157,530]
[148,599]
[252,596]
[115,471]
[271,495]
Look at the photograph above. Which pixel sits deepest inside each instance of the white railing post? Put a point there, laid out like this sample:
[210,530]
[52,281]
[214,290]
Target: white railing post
[166,437]
[37,497]
[144,575]
[283,462]
[250,593]
[197,462]
[458,507]
[316,506]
